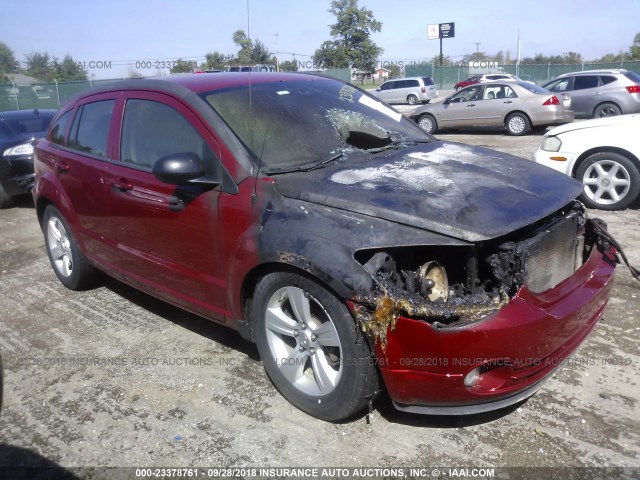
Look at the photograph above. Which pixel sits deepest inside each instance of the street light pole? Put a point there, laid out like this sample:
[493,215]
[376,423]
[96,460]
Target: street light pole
[277,66]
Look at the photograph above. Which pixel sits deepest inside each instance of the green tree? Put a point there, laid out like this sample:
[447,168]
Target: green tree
[183,66]
[394,71]
[260,53]
[215,61]
[67,70]
[331,54]
[289,66]
[40,66]
[8,63]
[245,46]
[634,50]
[352,35]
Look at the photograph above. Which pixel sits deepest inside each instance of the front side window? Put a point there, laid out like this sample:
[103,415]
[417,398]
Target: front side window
[466,95]
[90,130]
[152,130]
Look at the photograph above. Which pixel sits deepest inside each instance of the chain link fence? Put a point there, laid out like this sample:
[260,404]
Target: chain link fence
[52,95]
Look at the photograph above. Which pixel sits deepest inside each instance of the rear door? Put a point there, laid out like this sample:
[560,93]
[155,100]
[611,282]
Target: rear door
[81,162]
[584,95]
[167,233]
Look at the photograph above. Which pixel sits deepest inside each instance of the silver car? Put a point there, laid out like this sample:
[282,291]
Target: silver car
[599,93]
[409,90]
[516,106]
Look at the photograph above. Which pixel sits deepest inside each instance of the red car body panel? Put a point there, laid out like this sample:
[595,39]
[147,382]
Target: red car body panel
[202,256]
[522,344]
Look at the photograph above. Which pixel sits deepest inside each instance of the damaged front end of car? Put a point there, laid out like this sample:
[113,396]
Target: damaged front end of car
[454,286]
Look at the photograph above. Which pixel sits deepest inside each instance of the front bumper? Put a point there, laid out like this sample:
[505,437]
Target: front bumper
[512,351]
[17,175]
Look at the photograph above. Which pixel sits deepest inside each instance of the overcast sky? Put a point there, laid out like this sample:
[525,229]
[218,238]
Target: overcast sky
[124,32]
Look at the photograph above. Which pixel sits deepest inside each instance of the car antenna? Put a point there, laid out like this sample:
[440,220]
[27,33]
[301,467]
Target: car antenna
[254,195]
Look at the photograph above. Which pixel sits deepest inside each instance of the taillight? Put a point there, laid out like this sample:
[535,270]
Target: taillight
[424,89]
[552,101]
[634,89]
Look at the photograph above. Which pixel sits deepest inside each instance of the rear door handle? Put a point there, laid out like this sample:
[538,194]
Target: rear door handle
[508,101]
[472,105]
[121,184]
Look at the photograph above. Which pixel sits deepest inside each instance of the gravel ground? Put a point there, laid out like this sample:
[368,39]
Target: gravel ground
[112,377]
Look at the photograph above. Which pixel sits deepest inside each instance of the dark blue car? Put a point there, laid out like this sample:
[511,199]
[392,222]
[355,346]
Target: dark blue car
[17,129]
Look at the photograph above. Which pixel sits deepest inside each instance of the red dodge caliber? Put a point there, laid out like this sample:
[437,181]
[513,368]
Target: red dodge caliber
[357,251]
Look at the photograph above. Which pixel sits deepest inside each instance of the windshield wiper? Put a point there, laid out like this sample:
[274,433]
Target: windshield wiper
[398,144]
[307,167]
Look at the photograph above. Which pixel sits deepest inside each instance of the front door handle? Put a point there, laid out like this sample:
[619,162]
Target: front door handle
[508,101]
[121,184]
[63,167]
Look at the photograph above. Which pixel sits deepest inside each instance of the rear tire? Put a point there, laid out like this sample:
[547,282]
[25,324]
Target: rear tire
[518,124]
[412,99]
[607,109]
[427,123]
[611,181]
[311,347]
[69,264]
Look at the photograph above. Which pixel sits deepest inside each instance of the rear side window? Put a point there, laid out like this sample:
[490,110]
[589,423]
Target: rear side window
[152,130]
[586,81]
[60,128]
[412,83]
[605,79]
[90,129]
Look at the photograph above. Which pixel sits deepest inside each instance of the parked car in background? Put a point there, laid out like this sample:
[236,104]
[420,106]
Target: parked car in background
[487,77]
[409,90]
[18,129]
[603,154]
[515,106]
[355,249]
[599,93]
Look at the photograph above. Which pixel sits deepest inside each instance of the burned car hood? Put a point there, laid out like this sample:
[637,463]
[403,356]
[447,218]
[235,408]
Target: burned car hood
[458,190]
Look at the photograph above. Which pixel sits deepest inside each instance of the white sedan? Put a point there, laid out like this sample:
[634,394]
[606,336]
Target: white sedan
[603,154]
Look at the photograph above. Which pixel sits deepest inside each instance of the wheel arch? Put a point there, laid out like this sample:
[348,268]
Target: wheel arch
[253,277]
[587,153]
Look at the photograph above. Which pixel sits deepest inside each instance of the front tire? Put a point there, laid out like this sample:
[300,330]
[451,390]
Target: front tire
[518,124]
[611,181]
[311,347]
[427,123]
[69,264]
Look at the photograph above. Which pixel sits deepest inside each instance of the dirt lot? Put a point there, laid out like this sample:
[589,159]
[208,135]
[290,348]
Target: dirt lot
[112,377]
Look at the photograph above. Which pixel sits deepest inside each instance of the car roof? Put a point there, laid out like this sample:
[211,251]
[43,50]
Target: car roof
[593,72]
[189,83]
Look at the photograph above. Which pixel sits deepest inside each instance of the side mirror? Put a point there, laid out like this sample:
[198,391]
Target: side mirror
[447,101]
[182,169]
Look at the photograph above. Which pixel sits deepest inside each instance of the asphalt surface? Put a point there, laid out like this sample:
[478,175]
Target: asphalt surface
[113,377]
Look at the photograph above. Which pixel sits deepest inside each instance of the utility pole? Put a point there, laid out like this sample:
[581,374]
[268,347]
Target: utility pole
[477,44]
[277,66]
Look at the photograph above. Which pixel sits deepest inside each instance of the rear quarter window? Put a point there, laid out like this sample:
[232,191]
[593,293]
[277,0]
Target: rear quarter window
[428,81]
[60,128]
[412,83]
[606,79]
[633,76]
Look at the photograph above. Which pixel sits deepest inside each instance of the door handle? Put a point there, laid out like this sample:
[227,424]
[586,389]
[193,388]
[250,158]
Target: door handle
[63,167]
[472,105]
[121,184]
[508,101]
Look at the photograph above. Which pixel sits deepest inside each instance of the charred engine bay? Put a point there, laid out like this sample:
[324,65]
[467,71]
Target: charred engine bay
[470,283]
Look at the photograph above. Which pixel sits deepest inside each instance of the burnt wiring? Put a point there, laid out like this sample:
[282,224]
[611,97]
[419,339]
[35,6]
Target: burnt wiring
[601,232]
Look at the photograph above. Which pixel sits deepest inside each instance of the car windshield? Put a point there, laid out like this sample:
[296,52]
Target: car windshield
[301,123]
